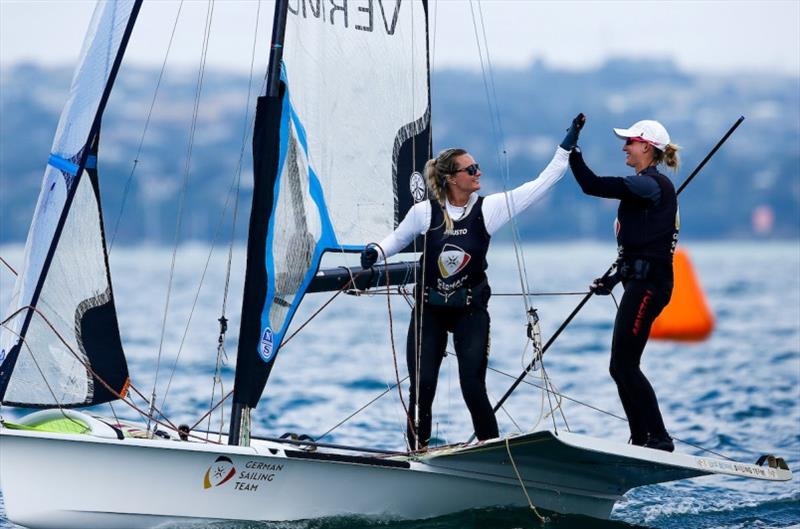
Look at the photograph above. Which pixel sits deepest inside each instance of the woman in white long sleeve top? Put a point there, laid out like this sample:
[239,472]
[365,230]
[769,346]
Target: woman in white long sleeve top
[452,294]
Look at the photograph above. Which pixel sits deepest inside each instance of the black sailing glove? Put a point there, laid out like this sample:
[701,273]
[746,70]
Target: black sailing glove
[602,286]
[571,139]
[369,256]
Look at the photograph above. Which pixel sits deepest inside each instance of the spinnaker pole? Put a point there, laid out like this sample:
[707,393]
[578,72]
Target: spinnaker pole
[586,298]
[251,371]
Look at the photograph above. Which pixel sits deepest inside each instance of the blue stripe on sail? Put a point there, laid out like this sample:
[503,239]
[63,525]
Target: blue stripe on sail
[270,338]
[351,247]
[68,166]
[63,164]
[266,347]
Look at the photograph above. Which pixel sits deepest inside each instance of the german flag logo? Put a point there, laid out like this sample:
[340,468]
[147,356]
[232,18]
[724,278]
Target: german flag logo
[452,260]
[221,471]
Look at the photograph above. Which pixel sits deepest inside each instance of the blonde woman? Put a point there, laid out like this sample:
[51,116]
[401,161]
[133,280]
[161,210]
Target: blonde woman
[647,231]
[452,294]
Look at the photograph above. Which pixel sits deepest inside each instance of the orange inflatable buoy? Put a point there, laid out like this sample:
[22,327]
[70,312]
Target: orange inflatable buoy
[687,317]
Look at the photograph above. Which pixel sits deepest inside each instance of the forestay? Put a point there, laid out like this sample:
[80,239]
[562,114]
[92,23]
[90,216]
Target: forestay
[65,274]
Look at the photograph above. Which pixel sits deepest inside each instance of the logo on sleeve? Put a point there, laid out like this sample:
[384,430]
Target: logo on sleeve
[452,260]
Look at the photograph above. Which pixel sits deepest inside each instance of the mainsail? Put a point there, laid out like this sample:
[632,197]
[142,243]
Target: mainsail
[61,343]
[338,153]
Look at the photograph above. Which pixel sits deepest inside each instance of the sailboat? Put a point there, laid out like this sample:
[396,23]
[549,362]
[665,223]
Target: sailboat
[340,136]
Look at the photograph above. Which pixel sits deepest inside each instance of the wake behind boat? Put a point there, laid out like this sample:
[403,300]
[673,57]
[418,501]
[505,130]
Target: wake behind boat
[331,171]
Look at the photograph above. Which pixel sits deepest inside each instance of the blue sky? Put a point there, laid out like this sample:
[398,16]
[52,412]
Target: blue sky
[701,36]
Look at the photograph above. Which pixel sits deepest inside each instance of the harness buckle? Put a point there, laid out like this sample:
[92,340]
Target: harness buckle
[460,297]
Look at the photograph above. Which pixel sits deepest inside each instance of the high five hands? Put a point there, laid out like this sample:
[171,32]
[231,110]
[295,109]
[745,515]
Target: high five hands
[574,130]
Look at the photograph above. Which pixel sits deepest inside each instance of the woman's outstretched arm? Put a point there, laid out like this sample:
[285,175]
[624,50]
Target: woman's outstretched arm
[498,208]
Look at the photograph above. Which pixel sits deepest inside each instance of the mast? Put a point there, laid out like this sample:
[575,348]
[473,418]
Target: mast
[251,371]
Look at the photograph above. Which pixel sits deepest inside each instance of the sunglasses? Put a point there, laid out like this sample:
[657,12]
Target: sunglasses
[471,170]
[631,141]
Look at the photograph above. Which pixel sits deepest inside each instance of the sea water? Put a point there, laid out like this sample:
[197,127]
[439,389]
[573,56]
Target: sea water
[737,393]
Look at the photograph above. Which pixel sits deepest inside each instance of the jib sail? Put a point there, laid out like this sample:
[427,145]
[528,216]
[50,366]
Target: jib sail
[60,343]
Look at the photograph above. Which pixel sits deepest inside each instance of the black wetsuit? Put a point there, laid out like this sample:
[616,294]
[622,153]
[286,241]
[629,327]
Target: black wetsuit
[647,231]
[454,299]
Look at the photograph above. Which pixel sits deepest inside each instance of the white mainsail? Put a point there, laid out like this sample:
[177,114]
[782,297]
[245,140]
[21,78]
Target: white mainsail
[357,87]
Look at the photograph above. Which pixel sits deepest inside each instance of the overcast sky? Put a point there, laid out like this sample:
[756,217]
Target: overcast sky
[710,36]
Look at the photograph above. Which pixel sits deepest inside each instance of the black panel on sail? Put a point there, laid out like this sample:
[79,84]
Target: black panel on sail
[416,147]
[99,329]
[251,370]
[66,337]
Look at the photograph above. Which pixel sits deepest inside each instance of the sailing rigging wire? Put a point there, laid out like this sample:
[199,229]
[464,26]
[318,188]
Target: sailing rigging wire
[8,266]
[85,364]
[510,417]
[156,410]
[184,189]
[38,367]
[129,181]
[345,288]
[497,129]
[124,396]
[418,322]
[541,518]
[211,410]
[549,400]
[561,395]
[487,71]
[247,130]
[417,315]
[320,309]
[233,191]
[405,293]
[359,410]
[413,427]
[548,388]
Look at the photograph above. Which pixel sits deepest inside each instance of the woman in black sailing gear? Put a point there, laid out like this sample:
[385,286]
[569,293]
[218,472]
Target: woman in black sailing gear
[647,231]
[452,295]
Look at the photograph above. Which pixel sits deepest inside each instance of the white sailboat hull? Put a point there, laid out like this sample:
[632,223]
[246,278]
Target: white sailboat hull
[51,481]
[69,481]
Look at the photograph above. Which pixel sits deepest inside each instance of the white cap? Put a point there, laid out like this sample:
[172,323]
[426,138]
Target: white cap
[649,130]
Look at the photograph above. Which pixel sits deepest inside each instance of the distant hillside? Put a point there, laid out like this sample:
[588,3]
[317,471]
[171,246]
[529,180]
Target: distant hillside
[750,189]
